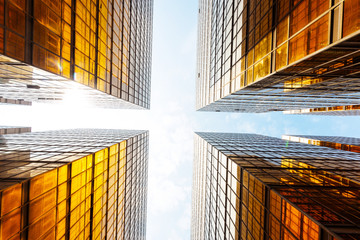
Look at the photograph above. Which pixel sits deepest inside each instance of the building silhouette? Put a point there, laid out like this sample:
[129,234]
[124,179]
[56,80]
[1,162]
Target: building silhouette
[249,186]
[74,184]
[260,56]
[96,52]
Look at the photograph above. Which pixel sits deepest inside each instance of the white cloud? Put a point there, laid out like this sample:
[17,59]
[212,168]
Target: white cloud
[164,195]
[315,119]
[185,219]
[246,127]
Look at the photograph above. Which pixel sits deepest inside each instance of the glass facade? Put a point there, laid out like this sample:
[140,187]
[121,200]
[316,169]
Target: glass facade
[101,45]
[74,184]
[274,55]
[12,101]
[350,110]
[249,186]
[342,143]
[13,130]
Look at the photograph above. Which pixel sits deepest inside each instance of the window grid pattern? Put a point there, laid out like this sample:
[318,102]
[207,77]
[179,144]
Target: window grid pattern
[13,130]
[341,143]
[203,52]
[249,186]
[14,101]
[267,55]
[105,45]
[349,110]
[136,189]
[46,196]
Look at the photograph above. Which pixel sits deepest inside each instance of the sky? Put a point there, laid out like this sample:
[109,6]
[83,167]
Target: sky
[172,120]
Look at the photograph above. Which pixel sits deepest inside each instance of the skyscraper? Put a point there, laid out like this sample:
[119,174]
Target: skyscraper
[13,101]
[349,110]
[74,184]
[275,55]
[96,51]
[249,186]
[12,130]
[342,143]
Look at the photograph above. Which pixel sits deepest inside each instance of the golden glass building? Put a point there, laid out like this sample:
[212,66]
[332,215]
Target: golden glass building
[249,186]
[275,55]
[342,143]
[74,184]
[98,51]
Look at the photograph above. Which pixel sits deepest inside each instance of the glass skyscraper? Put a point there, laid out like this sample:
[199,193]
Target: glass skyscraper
[74,184]
[96,50]
[249,186]
[14,101]
[276,55]
[12,130]
[342,143]
[349,110]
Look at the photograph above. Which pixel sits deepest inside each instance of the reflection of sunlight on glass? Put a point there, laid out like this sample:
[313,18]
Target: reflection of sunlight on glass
[59,66]
[75,97]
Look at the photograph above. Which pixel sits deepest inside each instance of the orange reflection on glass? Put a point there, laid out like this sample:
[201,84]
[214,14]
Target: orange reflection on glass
[46,60]
[300,82]
[275,216]
[299,17]
[321,177]
[309,40]
[298,224]
[318,34]
[11,199]
[1,40]
[281,56]
[351,22]
[42,183]
[310,229]
[305,12]
[291,217]
[2,15]
[40,227]
[46,38]
[16,19]
[282,8]
[46,12]
[282,31]
[15,46]
[262,68]
[298,47]
[10,224]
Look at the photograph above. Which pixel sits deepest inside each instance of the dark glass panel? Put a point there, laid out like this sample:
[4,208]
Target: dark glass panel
[16,19]
[15,46]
